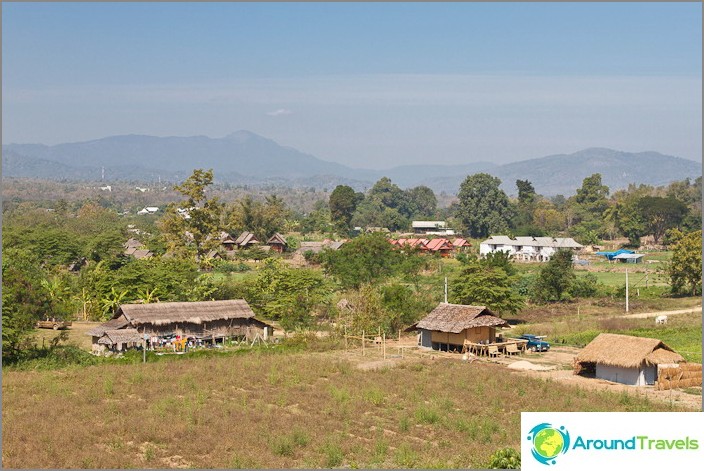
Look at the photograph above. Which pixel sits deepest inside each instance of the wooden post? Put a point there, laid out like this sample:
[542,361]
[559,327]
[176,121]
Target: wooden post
[383,344]
[399,336]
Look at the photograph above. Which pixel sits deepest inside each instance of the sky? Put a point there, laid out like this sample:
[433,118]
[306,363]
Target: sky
[369,85]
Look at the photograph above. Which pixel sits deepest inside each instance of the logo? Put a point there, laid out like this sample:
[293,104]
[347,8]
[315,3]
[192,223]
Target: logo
[548,442]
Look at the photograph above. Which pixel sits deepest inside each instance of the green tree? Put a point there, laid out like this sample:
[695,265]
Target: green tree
[289,295]
[421,202]
[483,207]
[660,214]
[685,268]
[555,278]
[263,219]
[343,202]
[196,232]
[24,300]
[488,285]
[366,259]
[524,209]
[587,207]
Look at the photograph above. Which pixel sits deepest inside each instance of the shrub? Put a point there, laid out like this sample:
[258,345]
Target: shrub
[584,286]
[505,458]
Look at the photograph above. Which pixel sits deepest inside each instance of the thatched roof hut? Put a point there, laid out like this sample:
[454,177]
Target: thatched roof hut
[120,336]
[626,359]
[451,324]
[190,312]
[112,324]
[457,317]
[205,319]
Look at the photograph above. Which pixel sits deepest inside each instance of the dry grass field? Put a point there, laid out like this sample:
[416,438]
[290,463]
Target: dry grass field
[292,410]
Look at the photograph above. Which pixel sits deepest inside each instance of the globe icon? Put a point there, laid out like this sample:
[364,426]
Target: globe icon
[548,443]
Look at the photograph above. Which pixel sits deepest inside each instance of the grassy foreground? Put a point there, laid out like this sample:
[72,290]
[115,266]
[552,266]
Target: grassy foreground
[276,410]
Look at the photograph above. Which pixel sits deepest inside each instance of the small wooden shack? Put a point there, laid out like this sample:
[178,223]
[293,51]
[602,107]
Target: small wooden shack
[449,325]
[117,340]
[278,243]
[206,320]
[626,359]
[246,240]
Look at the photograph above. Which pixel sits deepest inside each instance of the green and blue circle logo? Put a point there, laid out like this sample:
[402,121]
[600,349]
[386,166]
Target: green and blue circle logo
[548,442]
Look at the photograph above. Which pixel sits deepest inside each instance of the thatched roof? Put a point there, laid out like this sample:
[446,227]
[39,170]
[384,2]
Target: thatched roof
[112,337]
[455,318]
[112,324]
[627,351]
[191,312]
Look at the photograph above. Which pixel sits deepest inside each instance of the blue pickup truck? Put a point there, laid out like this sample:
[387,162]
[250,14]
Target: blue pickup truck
[535,344]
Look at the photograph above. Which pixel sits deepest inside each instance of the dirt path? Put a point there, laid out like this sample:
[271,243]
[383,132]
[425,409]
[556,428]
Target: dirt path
[644,315]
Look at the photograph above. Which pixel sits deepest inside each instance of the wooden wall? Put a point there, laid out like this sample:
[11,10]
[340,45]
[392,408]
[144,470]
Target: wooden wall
[475,334]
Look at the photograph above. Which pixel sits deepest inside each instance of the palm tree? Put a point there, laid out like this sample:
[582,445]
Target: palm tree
[111,303]
[147,296]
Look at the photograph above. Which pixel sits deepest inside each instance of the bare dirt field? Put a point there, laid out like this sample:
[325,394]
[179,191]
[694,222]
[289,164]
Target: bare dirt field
[555,365]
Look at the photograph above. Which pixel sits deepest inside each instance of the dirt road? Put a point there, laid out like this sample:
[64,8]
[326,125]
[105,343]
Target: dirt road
[644,315]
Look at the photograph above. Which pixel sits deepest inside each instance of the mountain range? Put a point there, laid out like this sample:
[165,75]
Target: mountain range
[247,158]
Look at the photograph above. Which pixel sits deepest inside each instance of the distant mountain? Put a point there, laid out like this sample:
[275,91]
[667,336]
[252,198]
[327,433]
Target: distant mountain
[246,158]
[563,174]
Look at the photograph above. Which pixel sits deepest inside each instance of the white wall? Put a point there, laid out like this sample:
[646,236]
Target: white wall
[630,376]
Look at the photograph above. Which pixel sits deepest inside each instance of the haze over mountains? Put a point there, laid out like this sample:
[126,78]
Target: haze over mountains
[246,158]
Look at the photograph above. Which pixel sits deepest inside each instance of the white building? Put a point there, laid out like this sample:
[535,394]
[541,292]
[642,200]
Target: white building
[528,248]
[148,210]
[432,227]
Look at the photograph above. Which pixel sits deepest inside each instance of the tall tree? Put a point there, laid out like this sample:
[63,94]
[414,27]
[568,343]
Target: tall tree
[422,202]
[685,268]
[289,295]
[343,202]
[365,259]
[525,207]
[661,214]
[488,285]
[587,207]
[196,231]
[483,207]
[555,278]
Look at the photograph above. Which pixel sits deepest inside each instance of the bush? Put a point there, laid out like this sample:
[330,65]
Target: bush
[584,286]
[226,266]
[55,358]
[506,458]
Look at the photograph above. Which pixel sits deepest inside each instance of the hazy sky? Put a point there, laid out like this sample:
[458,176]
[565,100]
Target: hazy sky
[366,85]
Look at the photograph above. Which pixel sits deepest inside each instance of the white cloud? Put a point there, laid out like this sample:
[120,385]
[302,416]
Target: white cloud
[279,112]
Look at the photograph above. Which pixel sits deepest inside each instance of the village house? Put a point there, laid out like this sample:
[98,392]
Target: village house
[227,241]
[136,249]
[148,210]
[442,246]
[246,240]
[626,359]
[208,321]
[278,243]
[448,326]
[527,249]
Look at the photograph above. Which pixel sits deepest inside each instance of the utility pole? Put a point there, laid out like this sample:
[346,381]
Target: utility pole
[626,289]
[445,290]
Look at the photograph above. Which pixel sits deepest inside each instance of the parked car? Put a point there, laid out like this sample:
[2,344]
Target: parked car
[535,344]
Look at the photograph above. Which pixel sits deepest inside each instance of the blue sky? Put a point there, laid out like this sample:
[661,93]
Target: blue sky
[363,84]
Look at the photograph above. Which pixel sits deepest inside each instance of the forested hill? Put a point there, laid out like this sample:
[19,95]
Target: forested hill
[246,158]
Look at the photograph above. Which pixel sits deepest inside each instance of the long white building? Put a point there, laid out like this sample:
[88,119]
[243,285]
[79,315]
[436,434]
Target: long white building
[538,249]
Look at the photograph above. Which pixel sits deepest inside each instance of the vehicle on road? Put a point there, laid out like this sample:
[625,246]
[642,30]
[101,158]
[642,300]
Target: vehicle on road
[535,343]
[53,324]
